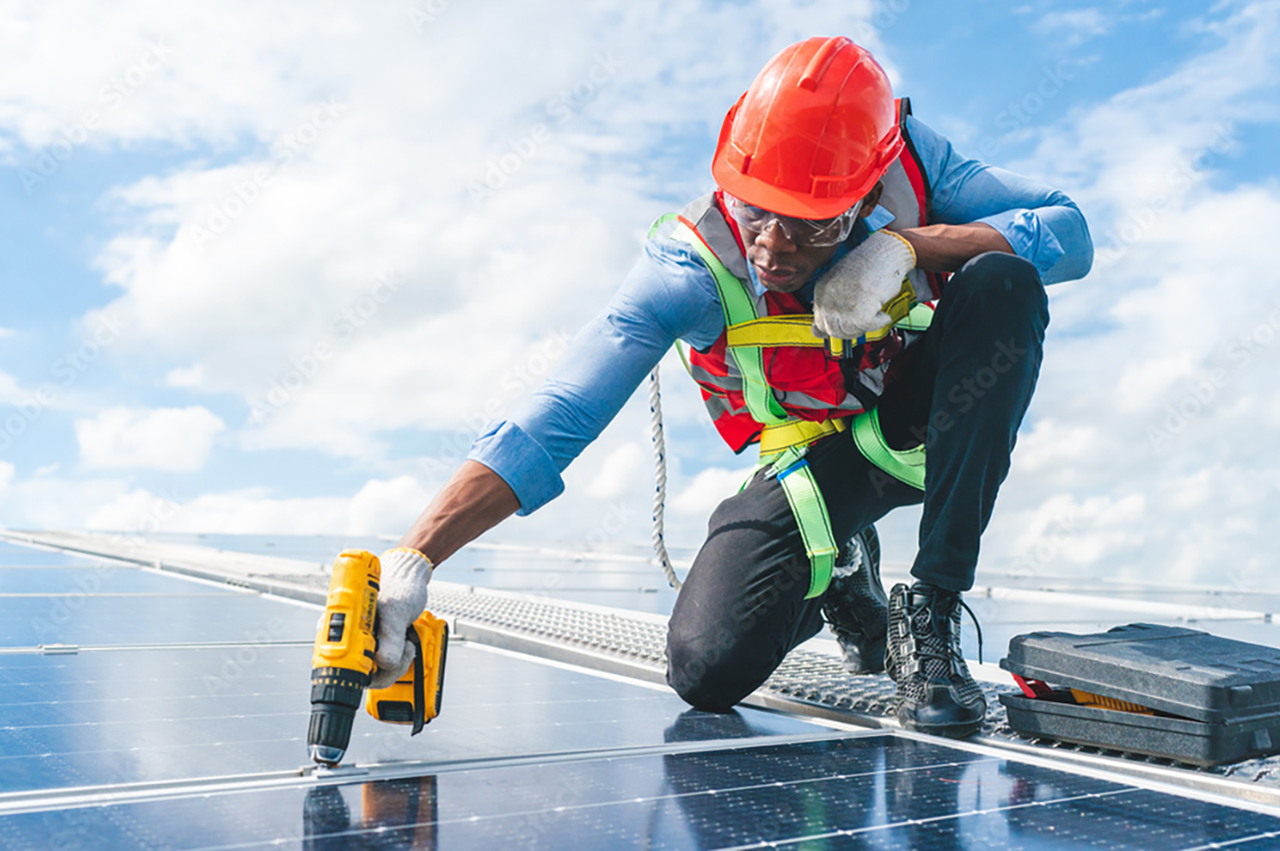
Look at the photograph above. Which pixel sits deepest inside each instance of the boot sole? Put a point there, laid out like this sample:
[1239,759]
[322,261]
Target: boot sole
[949,731]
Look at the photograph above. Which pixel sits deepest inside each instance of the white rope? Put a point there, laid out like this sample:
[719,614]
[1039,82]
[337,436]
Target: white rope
[660,479]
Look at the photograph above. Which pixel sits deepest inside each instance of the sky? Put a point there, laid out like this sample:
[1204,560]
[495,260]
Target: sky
[270,268]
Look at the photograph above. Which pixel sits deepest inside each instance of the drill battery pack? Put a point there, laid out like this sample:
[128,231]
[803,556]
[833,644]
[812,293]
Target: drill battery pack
[415,697]
[1156,690]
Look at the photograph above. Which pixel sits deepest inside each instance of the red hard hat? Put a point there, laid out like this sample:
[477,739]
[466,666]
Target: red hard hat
[813,134]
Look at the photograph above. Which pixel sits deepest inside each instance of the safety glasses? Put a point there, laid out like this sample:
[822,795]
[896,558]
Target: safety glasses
[816,233]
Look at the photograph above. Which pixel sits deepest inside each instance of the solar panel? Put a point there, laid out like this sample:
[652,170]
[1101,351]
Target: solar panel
[203,747]
[66,582]
[872,791]
[160,712]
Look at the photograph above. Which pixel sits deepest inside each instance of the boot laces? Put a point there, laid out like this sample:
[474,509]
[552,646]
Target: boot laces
[930,624]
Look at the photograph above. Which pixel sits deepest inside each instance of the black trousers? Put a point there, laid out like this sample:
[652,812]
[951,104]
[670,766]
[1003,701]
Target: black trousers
[963,392]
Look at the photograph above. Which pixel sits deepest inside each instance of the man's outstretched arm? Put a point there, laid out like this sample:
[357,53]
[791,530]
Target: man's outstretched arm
[515,467]
[474,500]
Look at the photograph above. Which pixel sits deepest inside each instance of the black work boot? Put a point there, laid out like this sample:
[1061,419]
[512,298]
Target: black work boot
[855,605]
[936,693]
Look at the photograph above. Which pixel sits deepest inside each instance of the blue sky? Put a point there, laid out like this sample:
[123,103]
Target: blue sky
[277,210]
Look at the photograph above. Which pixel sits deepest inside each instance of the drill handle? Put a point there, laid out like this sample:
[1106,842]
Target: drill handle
[419,687]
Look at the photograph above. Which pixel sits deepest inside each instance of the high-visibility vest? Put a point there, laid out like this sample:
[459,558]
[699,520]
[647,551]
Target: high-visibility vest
[768,380]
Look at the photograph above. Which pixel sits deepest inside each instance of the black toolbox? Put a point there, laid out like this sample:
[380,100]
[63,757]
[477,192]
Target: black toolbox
[1157,690]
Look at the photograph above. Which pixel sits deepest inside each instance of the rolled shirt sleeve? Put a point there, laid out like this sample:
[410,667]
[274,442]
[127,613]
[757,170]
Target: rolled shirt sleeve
[669,295]
[1040,223]
[523,464]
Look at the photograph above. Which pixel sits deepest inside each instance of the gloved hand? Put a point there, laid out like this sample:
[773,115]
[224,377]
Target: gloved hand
[402,595]
[849,299]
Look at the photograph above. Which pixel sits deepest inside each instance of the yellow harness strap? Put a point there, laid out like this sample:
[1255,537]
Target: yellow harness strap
[773,331]
[776,438]
[791,329]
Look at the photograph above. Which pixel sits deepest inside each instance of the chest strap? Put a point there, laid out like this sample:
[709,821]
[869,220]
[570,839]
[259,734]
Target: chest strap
[738,307]
[776,438]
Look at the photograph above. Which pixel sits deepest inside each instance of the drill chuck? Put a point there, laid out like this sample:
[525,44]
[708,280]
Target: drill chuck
[336,694]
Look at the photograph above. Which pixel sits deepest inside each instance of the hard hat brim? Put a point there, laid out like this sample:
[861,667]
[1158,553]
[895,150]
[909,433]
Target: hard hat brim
[787,202]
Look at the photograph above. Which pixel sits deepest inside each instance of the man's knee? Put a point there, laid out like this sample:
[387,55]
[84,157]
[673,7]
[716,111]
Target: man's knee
[1002,279]
[699,671]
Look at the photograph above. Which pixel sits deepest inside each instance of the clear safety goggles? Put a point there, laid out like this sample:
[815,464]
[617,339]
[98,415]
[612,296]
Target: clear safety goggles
[816,233]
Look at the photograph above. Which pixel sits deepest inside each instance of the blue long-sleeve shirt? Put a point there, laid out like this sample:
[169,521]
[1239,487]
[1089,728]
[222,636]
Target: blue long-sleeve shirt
[670,295]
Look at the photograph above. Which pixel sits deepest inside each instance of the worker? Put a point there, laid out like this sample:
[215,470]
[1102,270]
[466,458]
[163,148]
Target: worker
[838,208]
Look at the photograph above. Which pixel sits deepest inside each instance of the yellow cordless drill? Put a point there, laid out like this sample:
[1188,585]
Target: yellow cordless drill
[343,662]
[897,307]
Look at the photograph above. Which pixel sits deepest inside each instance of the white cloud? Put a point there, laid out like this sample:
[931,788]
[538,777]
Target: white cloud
[1146,453]
[379,507]
[251,270]
[11,392]
[618,471]
[1078,25]
[249,511]
[386,507]
[172,439]
[248,265]
[281,304]
[185,376]
[54,503]
[708,489]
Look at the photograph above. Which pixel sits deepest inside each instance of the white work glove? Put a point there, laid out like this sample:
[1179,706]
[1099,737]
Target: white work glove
[402,595]
[849,299]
